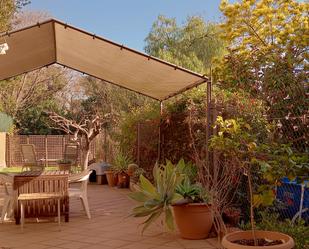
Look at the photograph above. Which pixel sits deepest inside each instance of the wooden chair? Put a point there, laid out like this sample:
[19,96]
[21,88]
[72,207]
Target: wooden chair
[22,198]
[29,158]
[8,202]
[81,192]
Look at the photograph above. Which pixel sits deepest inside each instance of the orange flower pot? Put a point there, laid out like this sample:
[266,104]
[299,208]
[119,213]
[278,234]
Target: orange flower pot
[193,220]
[227,241]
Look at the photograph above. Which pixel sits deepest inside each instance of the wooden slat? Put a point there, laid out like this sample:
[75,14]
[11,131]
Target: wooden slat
[38,184]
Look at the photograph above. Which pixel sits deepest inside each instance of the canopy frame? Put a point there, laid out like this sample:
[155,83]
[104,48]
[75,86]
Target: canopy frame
[198,78]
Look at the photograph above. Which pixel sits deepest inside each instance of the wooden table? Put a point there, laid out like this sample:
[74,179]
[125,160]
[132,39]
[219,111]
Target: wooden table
[42,182]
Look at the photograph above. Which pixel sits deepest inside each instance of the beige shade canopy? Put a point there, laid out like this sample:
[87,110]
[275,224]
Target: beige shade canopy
[56,42]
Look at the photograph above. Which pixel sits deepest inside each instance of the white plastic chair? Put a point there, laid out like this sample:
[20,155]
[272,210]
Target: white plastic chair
[8,202]
[81,192]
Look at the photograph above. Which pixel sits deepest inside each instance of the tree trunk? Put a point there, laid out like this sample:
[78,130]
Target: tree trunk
[86,154]
[252,221]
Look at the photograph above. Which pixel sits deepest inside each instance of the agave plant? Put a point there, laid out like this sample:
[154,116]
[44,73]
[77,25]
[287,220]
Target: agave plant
[157,198]
[191,193]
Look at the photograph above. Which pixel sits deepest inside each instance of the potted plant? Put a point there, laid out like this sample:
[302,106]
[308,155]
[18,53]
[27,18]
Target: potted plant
[65,164]
[231,215]
[235,141]
[111,177]
[172,190]
[120,167]
[193,214]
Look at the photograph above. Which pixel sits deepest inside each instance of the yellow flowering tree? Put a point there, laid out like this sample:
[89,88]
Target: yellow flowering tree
[268,58]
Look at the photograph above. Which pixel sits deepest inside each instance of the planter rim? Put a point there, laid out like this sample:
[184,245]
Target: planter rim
[288,241]
[192,205]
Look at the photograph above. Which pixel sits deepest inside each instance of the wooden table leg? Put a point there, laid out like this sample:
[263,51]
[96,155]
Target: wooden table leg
[59,217]
[66,217]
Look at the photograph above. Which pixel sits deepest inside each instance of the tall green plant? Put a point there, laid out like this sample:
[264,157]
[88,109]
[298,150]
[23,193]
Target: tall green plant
[156,199]
[236,141]
[121,162]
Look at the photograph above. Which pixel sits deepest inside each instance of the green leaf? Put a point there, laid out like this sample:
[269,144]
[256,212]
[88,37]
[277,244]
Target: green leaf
[169,220]
[181,166]
[153,217]
[176,197]
[141,211]
[147,186]
[257,200]
[267,198]
[152,203]
[138,196]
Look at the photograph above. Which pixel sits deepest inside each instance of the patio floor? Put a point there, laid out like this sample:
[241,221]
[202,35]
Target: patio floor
[110,227]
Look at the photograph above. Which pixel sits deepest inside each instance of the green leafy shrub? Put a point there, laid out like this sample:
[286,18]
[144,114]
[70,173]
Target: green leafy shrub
[6,122]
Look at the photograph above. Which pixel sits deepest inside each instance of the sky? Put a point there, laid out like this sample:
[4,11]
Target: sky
[126,22]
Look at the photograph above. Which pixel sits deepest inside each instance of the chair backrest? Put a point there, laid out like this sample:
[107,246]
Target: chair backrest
[29,155]
[71,153]
[82,177]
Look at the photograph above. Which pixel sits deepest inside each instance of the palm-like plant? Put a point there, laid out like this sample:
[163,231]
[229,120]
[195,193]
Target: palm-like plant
[121,163]
[157,198]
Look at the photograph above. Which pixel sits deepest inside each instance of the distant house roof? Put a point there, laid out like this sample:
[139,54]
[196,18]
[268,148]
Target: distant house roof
[53,41]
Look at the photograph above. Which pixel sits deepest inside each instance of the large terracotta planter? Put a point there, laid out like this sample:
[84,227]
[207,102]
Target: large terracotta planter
[112,178]
[194,220]
[239,235]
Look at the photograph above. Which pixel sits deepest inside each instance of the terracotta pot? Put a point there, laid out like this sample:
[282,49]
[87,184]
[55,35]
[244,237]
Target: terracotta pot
[231,217]
[239,235]
[123,180]
[194,220]
[112,179]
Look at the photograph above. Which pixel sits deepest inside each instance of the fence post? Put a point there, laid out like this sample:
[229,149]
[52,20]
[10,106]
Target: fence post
[8,147]
[160,122]
[45,144]
[105,145]
[63,145]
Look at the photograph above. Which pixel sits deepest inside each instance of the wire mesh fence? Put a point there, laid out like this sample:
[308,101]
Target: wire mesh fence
[46,147]
[169,138]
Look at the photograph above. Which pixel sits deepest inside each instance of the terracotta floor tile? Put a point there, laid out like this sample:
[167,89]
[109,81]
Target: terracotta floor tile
[109,228]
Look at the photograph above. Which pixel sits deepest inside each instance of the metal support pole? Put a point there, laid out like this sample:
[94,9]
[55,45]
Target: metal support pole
[138,144]
[209,122]
[159,142]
